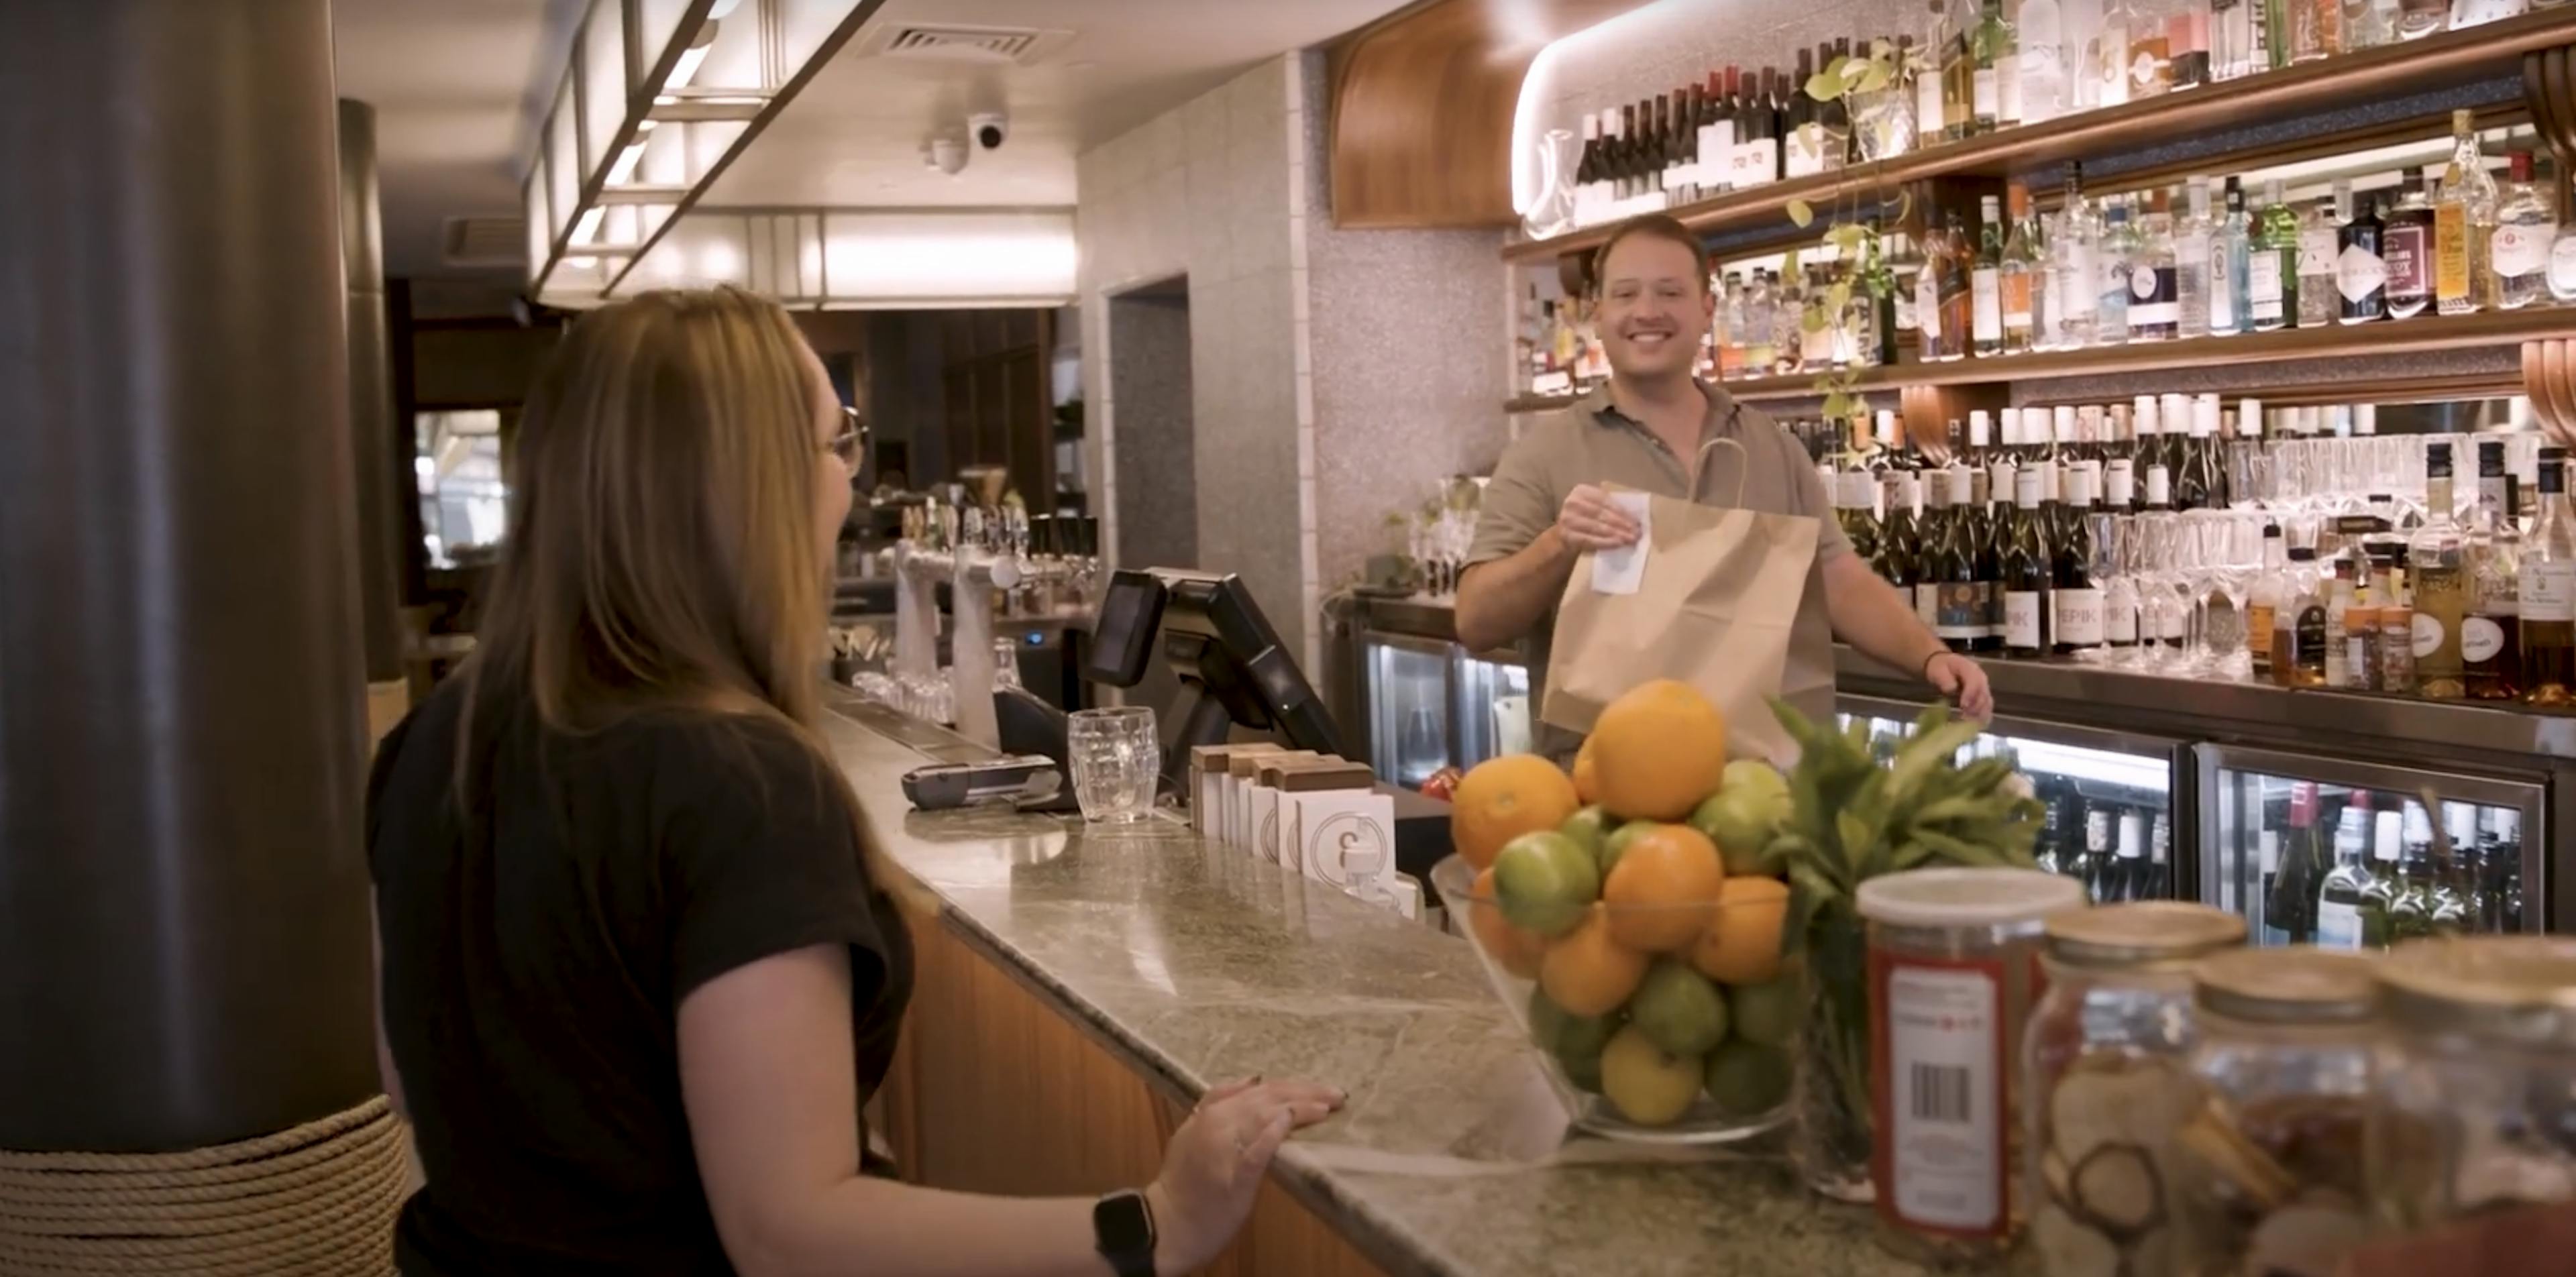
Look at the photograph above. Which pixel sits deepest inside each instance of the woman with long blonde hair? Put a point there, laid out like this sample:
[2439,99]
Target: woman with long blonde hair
[638,972]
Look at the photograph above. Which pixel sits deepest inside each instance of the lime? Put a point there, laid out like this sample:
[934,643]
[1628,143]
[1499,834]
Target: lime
[1766,1013]
[1746,1079]
[1649,1085]
[1575,1040]
[1743,817]
[1616,845]
[1588,828]
[1678,1009]
[1543,881]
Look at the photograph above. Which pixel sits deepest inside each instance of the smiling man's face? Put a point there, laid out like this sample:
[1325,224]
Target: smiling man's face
[1654,307]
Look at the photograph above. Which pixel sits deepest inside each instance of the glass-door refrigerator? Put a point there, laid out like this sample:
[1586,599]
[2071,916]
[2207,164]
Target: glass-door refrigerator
[2355,855]
[2112,814]
[1431,705]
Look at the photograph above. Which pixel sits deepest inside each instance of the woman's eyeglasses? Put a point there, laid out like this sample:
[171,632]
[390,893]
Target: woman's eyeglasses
[851,445]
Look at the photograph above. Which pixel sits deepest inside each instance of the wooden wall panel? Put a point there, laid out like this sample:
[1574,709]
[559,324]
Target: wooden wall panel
[1423,104]
[993,1091]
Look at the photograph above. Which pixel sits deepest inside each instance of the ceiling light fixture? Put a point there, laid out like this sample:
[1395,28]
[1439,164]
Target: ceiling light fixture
[693,57]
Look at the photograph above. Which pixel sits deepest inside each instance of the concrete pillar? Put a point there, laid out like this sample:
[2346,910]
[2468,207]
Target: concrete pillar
[183,930]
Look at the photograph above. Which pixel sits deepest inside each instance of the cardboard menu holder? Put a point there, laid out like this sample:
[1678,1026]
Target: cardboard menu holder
[1209,767]
[1339,827]
[1274,814]
[1240,772]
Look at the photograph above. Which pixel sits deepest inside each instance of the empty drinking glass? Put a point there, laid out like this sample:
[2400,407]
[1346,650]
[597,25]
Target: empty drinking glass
[1116,756]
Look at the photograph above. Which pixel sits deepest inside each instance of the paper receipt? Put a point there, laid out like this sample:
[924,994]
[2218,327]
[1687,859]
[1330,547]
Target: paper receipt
[1622,570]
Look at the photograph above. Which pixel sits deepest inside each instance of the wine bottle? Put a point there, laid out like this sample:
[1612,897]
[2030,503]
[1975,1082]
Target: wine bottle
[2548,618]
[2074,595]
[2435,561]
[1960,615]
[2026,569]
[2490,634]
[2406,246]
[1986,302]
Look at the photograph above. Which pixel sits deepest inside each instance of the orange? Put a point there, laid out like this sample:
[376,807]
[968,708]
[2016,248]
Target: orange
[1663,888]
[1743,945]
[1587,786]
[1517,951]
[1503,798]
[1657,751]
[1586,972]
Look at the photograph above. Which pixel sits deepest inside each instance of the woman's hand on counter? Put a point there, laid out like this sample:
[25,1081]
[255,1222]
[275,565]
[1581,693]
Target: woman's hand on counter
[1216,1162]
[1963,682]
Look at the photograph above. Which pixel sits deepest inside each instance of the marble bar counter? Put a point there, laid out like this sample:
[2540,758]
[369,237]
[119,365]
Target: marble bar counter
[1081,986]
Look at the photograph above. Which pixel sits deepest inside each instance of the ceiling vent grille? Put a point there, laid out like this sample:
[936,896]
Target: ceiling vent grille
[484,241]
[989,46]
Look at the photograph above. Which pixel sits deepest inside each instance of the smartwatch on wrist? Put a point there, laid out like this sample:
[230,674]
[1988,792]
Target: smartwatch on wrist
[1122,1229]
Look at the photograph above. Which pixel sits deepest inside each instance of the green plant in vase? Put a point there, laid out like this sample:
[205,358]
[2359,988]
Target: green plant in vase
[1851,819]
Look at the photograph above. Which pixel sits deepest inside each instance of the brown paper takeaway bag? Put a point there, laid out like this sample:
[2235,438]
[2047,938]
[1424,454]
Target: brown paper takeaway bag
[1721,591]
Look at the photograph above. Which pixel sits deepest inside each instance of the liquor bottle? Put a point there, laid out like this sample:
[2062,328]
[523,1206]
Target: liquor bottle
[2106,57]
[1959,614]
[2115,257]
[2150,68]
[2290,905]
[2222,280]
[2187,42]
[2379,892]
[2361,276]
[2043,61]
[1958,79]
[2026,570]
[2075,596]
[1994,71]
[2464,219]
[1801,140]
[1931,102]
[2562,268]
[2525,228]
[2491,633]
[2319,304]
[1986,309]
[1955,281]
[2417,19]
[1758,155]
[2346,887]
[2367,24]
[2299,627]
[2155,289]
[2022,272]
[2435,561]
[2315,30]
[2076,299]
[2271,267]
[1932,341]
[2548,595]
[2406,245]
[2263,603]
[2232,27]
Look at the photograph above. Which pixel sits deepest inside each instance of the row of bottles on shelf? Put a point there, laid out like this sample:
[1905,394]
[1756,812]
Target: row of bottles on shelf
[1967,71]
[2047,544]
[2482,607]
[2172,264]
[2350,870]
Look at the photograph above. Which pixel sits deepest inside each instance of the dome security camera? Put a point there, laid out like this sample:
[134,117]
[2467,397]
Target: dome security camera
[947,155]
[991,129]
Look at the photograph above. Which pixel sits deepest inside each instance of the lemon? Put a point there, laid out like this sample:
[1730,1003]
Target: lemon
[1647,1084]
[1743,817]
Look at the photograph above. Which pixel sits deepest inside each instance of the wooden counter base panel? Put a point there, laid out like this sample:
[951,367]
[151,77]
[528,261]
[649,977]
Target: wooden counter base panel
[993,1092]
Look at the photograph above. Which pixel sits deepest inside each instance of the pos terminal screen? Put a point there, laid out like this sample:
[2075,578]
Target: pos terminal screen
[1131,613]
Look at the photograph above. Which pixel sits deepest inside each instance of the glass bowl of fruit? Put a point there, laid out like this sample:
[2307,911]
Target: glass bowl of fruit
[1649,979]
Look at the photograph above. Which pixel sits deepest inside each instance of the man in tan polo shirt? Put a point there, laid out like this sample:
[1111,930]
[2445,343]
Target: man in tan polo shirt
[1546,503]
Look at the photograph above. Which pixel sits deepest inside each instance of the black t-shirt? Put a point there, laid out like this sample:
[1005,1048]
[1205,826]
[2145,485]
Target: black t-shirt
[537,948]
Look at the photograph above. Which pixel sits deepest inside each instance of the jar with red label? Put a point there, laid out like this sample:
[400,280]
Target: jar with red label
[1953,975]
[2107,1082]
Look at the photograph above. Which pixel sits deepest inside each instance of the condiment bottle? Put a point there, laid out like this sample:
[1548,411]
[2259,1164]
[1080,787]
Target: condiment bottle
[1953,973]
[2397,649]
[2105,1083]
[2272,1160]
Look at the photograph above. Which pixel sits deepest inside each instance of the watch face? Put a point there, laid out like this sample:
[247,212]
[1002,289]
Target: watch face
[1121,1226]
